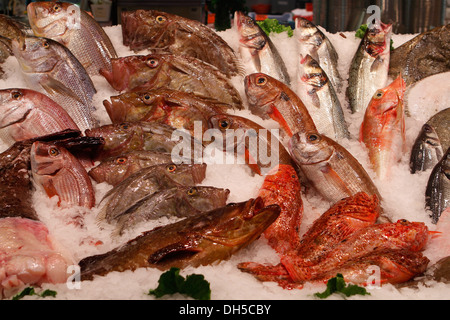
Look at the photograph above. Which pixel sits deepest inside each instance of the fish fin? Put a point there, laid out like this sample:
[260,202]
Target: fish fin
[377,64]
[52,86]
[175,251]
[334,178]
[276,115]
[315,99]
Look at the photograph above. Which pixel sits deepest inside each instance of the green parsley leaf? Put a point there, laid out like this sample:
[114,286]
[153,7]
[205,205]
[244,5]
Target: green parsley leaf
[171,282]
[29,291]
[337,285]
[361,31]
[272,25]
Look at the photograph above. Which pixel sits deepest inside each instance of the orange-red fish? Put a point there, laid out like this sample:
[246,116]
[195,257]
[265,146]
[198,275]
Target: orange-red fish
[383,128]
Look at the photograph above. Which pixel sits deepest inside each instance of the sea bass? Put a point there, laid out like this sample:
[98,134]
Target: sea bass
[74,28]
[176,108]
[437,194]
[29,256]
[50,66]
[257,51]
[369,67]
[61,174]
[28,114]
[313,42]
[402,234]
[181,202]
[145,182]
[317,93]
[198,240]
[282,187]
[383,128]
[431,143]
[331,169]
[270,98]
[152,29]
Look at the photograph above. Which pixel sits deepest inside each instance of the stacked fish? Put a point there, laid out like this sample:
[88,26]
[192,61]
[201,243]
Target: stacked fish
[186,83]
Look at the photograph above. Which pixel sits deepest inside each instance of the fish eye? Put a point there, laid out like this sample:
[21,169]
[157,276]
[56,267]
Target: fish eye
[378,94]
[53,152]
[121,160]
[313,137]
[260,81]
[224,124]
[124,126]
[161,19]
[45,44]
[146,98]
[192,191]
[152,62]
[57,7]
[16,95]
[403,221]
[171,168]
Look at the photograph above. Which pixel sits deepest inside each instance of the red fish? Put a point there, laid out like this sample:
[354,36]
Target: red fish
[282,186]
[383,128]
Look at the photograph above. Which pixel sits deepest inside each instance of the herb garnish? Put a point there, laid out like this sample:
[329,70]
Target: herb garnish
[337,284]
[272,25]
[29,291]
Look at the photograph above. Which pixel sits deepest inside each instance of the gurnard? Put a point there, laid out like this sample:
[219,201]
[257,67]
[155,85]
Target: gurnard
[194,241]
[383,128]
[152,29]
[369,67]
[76,29]
[257,51]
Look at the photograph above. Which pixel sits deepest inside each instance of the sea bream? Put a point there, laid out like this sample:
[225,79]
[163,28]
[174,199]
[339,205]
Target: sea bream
[27,114]
[369,67]
[319,96]
[51,67]
[152,29]
[199,240]
[383,128]
[313,42]
[257,51]
[431,143]
[74,28]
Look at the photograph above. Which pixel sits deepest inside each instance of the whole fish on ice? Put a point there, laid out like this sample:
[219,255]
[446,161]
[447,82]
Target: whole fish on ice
[317,93]
[369,67]
[74,28]
[431,143]
[27,114]
[9,29]
[199,240]
[152,29]
[257,51]
[383,128]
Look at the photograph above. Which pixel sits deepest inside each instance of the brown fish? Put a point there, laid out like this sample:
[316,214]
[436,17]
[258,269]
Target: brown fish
[270,98]
[176,72]
[10,29]
[199,240]
[152,29]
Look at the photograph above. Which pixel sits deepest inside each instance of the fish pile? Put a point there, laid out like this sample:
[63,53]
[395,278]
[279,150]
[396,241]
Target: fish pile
[176,106]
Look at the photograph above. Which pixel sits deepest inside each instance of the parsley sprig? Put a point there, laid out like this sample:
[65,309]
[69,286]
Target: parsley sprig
[338,285]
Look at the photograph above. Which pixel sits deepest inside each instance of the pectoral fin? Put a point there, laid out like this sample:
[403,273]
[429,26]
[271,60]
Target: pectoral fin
[333,178]
[53,86]
[173,252]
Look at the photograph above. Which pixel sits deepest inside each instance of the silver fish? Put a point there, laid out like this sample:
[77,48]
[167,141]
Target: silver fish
[318,94]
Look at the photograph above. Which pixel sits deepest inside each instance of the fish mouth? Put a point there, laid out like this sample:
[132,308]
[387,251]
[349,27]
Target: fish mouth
[116,109]
[199,173]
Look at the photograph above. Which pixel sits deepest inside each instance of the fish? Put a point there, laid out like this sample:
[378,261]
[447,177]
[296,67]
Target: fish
[369,67]
[402,234]
[74,28]
[437,192]
[176,72]
[114,170]
[341,220]
[257,146]
[331,169]
[257,51]
[383,128]
[153,29]
[61,174]
[319,96]
[422,56]
[29,256]
[9,29]
[176,108]
[28,114]
[124,137]
[431,143]
[51,68]
[180,202]
[144,183]
[282,187]
[199,240]
[269,98]
[313,42]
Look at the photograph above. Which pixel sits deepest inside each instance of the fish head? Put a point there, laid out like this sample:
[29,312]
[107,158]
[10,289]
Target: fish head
[205,198]
[55,20]
[310,148]
[311,73]
[36,54]
[15,105]
[129,106]
[261,91]
[388,102]
[414,234]
[47,158]
[307,32]
[426,151]
[241,223]
[251,35]
[377,39]
[114,169]
[185,174]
